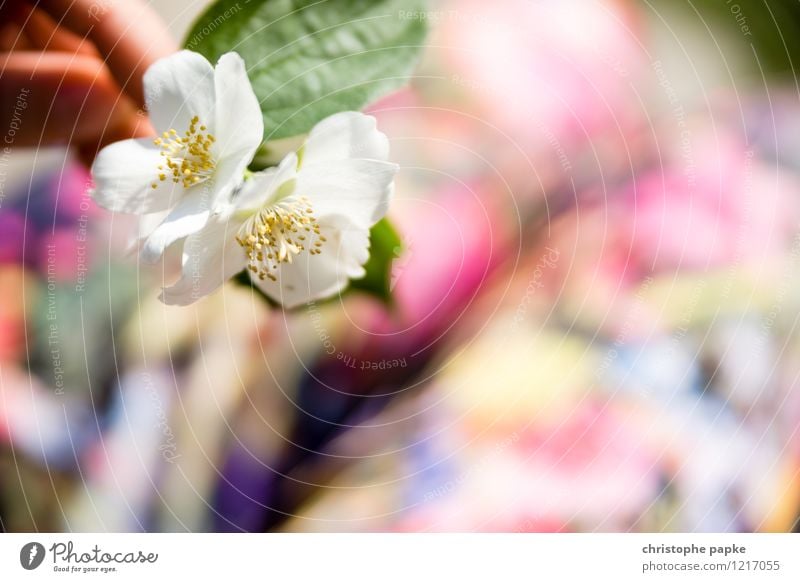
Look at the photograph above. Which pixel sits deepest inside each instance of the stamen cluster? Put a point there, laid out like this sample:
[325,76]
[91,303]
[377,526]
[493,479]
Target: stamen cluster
[276,233]
[187,159]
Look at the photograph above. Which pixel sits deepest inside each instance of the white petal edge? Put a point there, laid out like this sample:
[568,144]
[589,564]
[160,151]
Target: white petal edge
[343,136]
[239,126]
[188,217]
[358,189]
[124,173]
[210,257]
[177,88]
[262,186]
[145,224]
[312,277]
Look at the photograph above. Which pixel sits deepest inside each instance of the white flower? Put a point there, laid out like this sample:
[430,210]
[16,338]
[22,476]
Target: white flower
[210,126]
[300,229]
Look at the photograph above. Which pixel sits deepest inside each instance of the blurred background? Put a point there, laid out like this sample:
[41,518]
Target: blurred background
[596,307]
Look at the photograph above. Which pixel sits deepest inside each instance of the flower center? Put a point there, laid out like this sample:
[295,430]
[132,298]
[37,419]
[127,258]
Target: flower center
[187,158]
[276,233]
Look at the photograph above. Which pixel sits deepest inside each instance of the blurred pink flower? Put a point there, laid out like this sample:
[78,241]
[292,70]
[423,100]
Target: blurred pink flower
[452,240]
[69,189]
[13,227]
[63,254]
[565,64]
[721,207]
[585,471]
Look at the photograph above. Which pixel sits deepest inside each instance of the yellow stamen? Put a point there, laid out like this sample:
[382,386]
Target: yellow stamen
[266,237]
[188,158]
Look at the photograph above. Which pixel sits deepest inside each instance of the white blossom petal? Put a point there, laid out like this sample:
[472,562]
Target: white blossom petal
[262,187]
[310,277]
[210,257]
[358,189]
[188,217]
[177,88]
[143,227]
[124,173]
[344,136]
[228,176]
[239,126]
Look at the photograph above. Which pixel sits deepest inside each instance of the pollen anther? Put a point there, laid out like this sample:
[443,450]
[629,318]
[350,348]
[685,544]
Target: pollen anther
[266,237]
[188,158]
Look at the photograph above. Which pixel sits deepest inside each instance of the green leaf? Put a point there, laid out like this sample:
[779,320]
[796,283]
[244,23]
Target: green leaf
[93,310]
[308,59]
[767,34]
[384,246]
